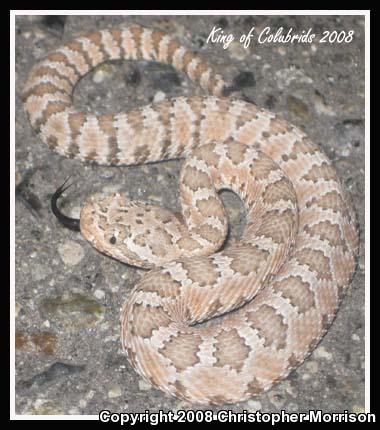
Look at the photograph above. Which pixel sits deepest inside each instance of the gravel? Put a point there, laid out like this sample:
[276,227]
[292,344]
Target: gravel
[68,296]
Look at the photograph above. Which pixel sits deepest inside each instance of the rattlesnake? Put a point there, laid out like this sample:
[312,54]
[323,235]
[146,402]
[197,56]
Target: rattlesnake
[275,291]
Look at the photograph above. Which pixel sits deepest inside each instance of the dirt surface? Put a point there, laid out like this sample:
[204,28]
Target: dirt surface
[68,296]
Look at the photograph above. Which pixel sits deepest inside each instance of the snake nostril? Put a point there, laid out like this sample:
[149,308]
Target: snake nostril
[112,240]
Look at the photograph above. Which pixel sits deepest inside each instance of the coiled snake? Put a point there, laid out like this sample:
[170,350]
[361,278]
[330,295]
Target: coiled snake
[283,279]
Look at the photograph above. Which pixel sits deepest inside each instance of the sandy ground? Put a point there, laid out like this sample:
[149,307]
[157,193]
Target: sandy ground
[68,296]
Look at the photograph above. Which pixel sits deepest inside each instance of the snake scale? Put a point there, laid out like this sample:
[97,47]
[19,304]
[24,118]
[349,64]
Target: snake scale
[275,290]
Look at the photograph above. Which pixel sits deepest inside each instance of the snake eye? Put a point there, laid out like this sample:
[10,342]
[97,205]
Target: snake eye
[112,240]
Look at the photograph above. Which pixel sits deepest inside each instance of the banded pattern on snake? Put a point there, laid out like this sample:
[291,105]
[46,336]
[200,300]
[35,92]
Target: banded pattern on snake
[276,290]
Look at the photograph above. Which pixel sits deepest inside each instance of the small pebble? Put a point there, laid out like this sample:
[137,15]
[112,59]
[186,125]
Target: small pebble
[155,198]
[144,386]
[105,71]
[39,272]
[362,263]
[71,252]
[321,352]
[18,308]
[237,50]
[159,97]
[74,310]
[254,405]
[355,337]
[286,76]
[292,407]
[46,324]
[115,288]
[358,409]
[114,391]
[321,107]
[43,407]
[99,294]
[312,366]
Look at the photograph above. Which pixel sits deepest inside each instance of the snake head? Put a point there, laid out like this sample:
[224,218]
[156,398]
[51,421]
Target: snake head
[133,232]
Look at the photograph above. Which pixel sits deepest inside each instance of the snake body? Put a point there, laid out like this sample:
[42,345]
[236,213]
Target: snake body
[275,291]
